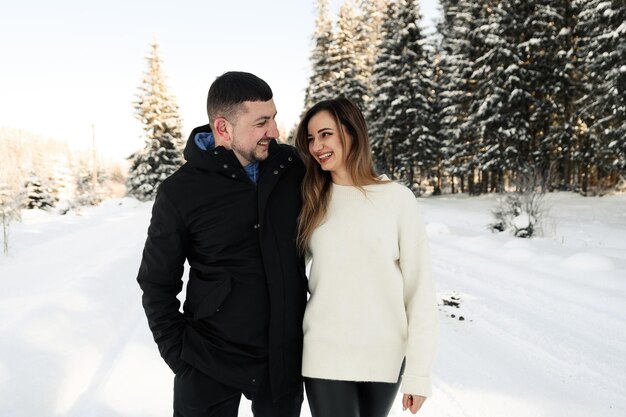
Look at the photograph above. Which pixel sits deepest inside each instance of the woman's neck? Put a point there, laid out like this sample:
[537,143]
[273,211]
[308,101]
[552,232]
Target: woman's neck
[341,177]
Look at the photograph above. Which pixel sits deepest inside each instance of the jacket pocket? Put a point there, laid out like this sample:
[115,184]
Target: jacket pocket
[205,296]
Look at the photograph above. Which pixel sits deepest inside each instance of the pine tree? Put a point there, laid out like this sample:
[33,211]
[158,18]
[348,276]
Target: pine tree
[37,194]
[87,190]
[369,22]
[601,32]
[347,62]
[401,110]
[499,111]
[383,92]
[320,85]
[455,87]
[158,112]
[548,50]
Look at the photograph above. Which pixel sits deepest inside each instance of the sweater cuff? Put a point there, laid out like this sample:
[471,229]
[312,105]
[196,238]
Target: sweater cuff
[416,385]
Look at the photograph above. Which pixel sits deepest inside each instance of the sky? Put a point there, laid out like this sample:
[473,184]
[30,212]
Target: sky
[70,69]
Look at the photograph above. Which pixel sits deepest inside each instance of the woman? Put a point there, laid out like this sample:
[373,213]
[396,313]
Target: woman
[372,311]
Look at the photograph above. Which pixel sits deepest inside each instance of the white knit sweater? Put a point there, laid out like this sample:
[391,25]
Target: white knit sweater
[372,295]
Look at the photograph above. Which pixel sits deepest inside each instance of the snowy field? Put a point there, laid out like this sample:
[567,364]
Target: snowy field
[543,331]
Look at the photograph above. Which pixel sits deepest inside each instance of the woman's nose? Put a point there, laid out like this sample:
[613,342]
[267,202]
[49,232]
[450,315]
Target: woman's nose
[315,145]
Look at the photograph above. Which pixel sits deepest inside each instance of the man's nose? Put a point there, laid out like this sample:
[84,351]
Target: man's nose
[272,131]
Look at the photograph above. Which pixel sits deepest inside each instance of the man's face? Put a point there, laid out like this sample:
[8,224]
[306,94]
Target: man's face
[253,130]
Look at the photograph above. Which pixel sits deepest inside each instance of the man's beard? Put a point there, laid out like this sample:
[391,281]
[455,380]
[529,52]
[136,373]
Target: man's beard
[250,155]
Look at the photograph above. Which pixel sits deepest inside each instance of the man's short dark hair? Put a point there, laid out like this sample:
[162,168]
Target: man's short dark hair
[231,89]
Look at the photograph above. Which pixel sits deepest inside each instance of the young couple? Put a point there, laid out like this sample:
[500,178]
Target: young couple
[244,212]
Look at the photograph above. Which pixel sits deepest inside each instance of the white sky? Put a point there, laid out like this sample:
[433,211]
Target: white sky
[68,64]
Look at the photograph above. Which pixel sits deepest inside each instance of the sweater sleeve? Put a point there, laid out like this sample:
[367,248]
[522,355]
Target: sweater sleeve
[419,301]
[160,279]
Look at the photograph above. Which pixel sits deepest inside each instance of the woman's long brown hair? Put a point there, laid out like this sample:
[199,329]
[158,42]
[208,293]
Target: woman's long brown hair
[317,183]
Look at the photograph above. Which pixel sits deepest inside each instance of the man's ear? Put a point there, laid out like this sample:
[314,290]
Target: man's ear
[221,131]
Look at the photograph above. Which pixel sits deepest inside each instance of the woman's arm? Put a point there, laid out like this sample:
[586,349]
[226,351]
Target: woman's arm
[419,301]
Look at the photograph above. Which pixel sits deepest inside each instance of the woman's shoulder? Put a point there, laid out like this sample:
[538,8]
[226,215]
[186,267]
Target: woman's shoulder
[397,189]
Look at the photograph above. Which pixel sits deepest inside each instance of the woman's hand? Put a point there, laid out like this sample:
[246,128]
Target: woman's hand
[412,402]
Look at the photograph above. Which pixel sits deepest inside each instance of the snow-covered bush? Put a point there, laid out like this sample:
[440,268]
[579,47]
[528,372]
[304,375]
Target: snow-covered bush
[38,194]
[520,213]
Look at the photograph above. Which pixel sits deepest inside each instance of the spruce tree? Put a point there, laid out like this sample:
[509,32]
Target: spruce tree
[158,112]
[601,32]
[320,83]
[37,194]
[499,111]
[548,50]
[347,62]
[401,109]
[455,87]
[369,22]
[383,87]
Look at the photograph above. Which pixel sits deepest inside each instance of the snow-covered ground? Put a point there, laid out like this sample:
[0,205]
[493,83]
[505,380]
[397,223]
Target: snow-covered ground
[543,330]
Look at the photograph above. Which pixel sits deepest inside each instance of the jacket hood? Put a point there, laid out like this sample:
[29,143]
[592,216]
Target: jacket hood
[202,154]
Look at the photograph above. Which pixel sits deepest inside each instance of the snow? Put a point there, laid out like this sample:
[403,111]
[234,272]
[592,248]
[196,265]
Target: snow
[543,330]
[522,221]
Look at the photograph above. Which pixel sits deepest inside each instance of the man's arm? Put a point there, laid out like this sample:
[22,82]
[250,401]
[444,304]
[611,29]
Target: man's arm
[160,279]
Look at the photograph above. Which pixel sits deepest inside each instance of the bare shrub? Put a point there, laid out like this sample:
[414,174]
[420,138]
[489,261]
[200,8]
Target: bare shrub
[522,212]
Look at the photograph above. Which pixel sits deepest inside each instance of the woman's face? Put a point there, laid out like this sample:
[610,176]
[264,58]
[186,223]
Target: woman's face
[325,145]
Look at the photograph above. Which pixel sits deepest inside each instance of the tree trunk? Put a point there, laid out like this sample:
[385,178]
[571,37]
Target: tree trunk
[5,233]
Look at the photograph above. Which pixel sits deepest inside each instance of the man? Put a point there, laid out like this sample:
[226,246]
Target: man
[231,212]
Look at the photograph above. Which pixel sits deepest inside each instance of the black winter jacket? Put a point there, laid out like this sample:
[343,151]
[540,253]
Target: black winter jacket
[245,297]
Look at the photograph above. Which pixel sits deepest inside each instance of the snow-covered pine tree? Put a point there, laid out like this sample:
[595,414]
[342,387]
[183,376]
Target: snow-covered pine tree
[347,62]
[37,194]
[158,111]
[87,189]
[383,87]
[421,149]
[320,86]
[401,109]
[370,20]
[548,48]
[499,111]
[601,31]
[455,87]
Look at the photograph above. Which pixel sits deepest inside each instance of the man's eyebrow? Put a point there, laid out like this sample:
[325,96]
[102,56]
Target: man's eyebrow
[265,117]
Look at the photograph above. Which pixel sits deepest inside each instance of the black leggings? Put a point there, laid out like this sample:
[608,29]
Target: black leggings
[349,399]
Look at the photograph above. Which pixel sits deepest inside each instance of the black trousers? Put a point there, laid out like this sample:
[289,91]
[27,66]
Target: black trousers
[197,395]
[349,399]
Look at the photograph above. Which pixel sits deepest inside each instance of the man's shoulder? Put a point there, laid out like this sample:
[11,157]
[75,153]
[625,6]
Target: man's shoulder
[179,178]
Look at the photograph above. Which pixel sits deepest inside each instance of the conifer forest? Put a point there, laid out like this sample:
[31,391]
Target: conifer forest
[502,93]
